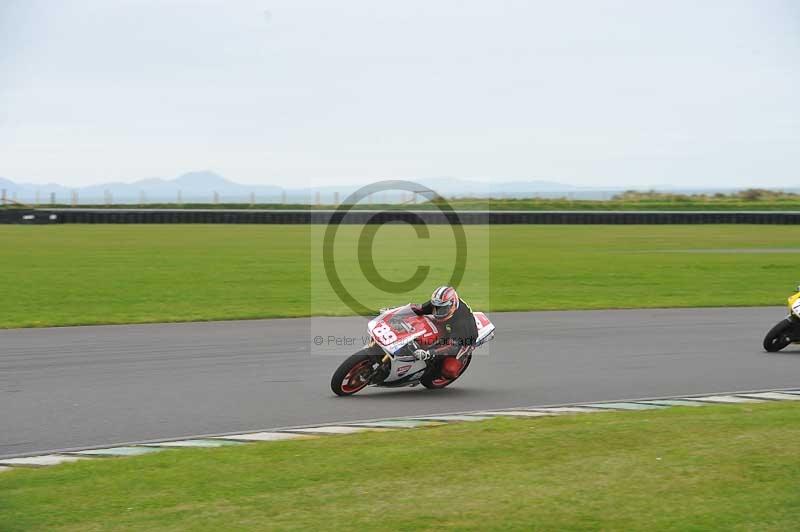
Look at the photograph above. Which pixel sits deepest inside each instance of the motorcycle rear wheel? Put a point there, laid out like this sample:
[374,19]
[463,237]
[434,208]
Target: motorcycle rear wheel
[435,381]
[777,338]
[352,375]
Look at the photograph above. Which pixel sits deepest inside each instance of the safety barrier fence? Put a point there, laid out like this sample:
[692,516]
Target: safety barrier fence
[310,216]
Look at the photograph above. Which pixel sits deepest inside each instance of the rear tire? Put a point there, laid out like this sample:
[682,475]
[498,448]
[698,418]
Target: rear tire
[777,338]
[350,376]
[435,381]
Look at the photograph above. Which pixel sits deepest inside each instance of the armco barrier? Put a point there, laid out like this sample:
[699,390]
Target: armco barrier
[188,216]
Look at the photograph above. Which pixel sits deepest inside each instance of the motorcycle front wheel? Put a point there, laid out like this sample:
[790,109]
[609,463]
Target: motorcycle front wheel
[353,374]
[777,338]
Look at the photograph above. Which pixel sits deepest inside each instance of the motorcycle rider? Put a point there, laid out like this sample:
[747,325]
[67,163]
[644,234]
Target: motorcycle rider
[459,330]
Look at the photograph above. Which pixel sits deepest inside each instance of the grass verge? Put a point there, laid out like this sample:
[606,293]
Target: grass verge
[100,274]
[712,468]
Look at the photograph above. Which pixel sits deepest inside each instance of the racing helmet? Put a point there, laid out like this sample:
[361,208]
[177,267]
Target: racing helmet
[445,302]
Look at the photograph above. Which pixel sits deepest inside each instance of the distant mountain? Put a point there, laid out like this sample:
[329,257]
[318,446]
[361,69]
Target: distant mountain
[204,186]
[27,193]
[192,187]
[202,179]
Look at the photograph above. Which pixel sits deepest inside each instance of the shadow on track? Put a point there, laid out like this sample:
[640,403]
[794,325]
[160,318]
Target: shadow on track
[416,394]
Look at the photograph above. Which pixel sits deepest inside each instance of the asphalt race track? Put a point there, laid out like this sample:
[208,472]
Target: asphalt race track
[89,386]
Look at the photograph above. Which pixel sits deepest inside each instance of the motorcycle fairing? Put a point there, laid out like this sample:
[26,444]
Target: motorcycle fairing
[397,327]
[485,328]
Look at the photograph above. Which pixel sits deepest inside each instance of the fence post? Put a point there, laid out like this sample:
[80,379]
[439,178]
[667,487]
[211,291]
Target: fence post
[53,199]
[3,197]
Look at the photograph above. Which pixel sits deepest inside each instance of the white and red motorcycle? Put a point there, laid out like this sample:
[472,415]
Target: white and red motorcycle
[388,359]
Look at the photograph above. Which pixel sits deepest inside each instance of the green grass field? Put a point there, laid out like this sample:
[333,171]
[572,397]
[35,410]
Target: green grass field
[710,468]
[84,274]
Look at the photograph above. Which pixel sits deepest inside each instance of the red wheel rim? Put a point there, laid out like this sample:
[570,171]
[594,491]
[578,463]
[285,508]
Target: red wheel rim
[354,380]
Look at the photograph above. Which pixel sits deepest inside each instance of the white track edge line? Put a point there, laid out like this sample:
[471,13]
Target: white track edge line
[411,417]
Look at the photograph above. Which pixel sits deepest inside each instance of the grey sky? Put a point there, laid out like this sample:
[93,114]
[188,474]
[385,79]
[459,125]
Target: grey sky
[303,92]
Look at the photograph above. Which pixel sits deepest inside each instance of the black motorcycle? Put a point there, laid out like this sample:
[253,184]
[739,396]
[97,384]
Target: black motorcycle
[787,330]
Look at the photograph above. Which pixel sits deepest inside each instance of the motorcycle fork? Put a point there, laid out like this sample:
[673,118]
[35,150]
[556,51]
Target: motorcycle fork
[381,366]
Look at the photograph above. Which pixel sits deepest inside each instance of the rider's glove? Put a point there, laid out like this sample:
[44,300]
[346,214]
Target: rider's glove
[421,354]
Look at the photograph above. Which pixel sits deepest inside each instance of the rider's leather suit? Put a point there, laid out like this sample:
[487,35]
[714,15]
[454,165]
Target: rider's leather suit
[459,332]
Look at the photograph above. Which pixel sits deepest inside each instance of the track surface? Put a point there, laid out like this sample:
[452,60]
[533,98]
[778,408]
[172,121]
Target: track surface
[91,386]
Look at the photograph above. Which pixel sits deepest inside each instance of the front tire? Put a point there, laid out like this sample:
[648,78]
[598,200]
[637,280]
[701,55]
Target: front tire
[777,338]
[353,374]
